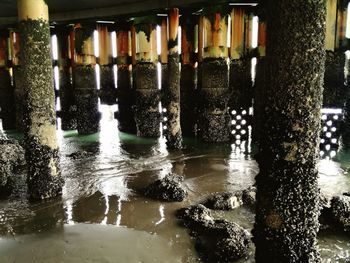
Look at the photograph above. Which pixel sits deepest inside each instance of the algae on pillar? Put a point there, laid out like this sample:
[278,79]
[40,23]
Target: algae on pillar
[286,222]
[147,116]
[188,79]
[7,96]
[214,121]
[125,91]
[108,92]
[171,92]
[66,91]
[42,153]
[86,95]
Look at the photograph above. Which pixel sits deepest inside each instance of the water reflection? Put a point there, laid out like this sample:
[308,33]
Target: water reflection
[102,190]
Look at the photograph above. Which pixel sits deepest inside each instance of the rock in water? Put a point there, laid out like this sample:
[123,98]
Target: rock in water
[249,196]
[224,201]
[325,217]
[340,212]
[216,240]
[11,157]
[169,188]
[80,155]
[223,241]
[196,218]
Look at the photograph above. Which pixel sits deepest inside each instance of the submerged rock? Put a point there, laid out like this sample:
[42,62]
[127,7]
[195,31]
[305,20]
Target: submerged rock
[232,200]
[196,218]
[224,201]
[223,241]
[325,217]
[11,158]
[340,212]
[168,188]
[80,155]
[249,196]
[216,240]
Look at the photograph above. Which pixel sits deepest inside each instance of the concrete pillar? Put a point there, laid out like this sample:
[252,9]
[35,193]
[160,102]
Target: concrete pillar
[286,222]
[126,92]
[108,92]
[42,153]
[260,84]
[214,120]
[147,116]
[171,92]
[17,78]
[188,80]
[86,95]
[7,96]
[66,91]
[241,86]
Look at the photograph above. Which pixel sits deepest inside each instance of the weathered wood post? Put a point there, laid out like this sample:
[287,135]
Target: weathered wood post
[84,75]
[126,93]
[108,92]
[240,65]
[286,222]
[42,153]
[147,116]
[341,45]
[7,96]
[17,78]
[260,82]
[171,92]
[66,91]
[164,52]
[335,87]
[214,118]
[188,80]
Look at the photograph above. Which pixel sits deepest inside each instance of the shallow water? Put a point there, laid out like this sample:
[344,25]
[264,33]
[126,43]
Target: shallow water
[101,218]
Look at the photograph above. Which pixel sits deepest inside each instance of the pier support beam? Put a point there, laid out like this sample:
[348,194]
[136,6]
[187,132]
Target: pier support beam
[66,91]
[17,79]
[86,94]
[108,92]
[287,208]
[7,96]
[147,116]
[240,64]
[42,153]
[260,83]
[214,121]
[126,93]
[188,80]
[171,94]
[335,88]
